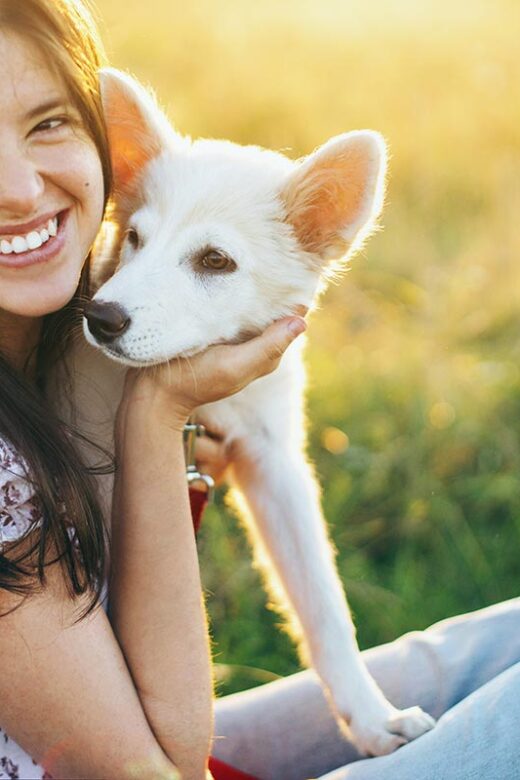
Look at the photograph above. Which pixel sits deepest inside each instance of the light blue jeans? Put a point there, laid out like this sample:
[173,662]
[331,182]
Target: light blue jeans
[464,671]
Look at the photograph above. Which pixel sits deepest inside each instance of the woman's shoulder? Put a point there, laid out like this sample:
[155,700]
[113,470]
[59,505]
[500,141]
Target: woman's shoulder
[19,508]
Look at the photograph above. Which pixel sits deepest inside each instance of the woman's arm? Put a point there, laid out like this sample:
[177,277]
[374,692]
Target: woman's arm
[155,595]
[66,694]
[156,606]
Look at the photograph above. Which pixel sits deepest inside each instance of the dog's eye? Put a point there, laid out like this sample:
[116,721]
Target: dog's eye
[215,260]
[132,236]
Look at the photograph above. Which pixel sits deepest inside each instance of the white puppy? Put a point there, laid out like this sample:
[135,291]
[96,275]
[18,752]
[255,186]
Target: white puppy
[213,242]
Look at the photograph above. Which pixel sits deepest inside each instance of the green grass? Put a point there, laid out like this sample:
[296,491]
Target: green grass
[424,502]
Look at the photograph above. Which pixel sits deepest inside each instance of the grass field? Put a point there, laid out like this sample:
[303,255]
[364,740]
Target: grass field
[413,357]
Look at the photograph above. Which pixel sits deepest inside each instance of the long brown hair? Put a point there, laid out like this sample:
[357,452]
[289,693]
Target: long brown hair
[66,35]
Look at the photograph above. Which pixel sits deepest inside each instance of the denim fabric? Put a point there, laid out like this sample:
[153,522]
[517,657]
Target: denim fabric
[464,671]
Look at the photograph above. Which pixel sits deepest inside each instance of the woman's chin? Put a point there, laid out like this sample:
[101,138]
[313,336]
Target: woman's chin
[51,305]
[48,299]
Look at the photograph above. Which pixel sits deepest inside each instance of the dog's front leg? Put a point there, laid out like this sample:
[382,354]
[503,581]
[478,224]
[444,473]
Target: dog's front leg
[282,506]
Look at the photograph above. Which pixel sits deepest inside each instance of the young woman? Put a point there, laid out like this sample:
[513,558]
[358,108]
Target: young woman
[82,696]
[85,697]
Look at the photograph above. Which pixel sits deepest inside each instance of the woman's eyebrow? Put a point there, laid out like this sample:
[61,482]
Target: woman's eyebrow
[43,108]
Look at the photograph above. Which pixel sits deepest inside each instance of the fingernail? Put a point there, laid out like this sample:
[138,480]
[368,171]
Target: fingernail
[297,326]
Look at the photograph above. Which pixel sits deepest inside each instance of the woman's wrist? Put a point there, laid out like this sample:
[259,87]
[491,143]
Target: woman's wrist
[146,399]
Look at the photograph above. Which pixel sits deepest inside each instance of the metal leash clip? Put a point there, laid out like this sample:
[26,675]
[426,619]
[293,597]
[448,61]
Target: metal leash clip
[193,475]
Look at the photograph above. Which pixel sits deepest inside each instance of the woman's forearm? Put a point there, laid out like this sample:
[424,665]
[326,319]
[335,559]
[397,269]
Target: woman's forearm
[156,604]
[156,601]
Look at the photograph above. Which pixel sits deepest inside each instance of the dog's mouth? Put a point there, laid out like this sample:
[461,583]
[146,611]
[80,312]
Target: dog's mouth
[122,356]
[115,352]
[125,355]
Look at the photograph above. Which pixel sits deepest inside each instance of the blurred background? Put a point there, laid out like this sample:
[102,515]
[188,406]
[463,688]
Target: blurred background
[413,357]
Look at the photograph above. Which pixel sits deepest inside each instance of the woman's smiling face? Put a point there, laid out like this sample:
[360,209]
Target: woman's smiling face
[51,186]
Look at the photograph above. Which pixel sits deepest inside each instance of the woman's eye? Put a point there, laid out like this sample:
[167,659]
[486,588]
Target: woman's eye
[217,261]
[51,124]
[132,237]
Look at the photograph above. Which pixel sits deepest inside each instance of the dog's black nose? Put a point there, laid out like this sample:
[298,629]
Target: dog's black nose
[106,321]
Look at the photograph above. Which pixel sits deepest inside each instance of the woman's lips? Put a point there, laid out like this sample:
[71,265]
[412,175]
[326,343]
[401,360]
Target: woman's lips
[44,253]
[26,227]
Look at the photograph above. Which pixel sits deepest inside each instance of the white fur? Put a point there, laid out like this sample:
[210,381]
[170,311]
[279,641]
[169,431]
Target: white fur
[238,199]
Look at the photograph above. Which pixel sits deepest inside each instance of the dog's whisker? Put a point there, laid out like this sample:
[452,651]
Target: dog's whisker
[193,374]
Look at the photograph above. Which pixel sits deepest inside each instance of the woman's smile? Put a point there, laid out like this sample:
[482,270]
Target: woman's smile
[36,242]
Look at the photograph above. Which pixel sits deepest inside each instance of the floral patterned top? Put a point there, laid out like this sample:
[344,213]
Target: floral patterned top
[19,510]
[19,513]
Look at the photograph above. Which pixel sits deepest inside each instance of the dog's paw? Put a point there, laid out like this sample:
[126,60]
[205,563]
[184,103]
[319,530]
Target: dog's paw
[377,736]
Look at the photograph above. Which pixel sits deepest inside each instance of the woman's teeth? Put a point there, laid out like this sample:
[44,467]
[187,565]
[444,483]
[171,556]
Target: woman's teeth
[33,240]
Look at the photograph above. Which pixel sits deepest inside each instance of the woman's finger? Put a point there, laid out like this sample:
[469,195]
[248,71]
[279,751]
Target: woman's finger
[261,355]
[208,450]
[211,457]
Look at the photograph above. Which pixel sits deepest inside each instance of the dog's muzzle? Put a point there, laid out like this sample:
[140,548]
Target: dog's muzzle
[106,321]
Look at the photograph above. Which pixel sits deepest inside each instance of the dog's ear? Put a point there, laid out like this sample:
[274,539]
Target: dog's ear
[137,128]
[335,195]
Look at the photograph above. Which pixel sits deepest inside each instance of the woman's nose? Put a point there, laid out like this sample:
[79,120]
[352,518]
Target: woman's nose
[21,183]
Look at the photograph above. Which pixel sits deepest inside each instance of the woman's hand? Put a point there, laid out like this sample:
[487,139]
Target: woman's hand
[176,388]
[212,456]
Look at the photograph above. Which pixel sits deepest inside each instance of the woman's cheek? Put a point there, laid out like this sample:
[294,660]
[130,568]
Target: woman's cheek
[75,172]
[93,195]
